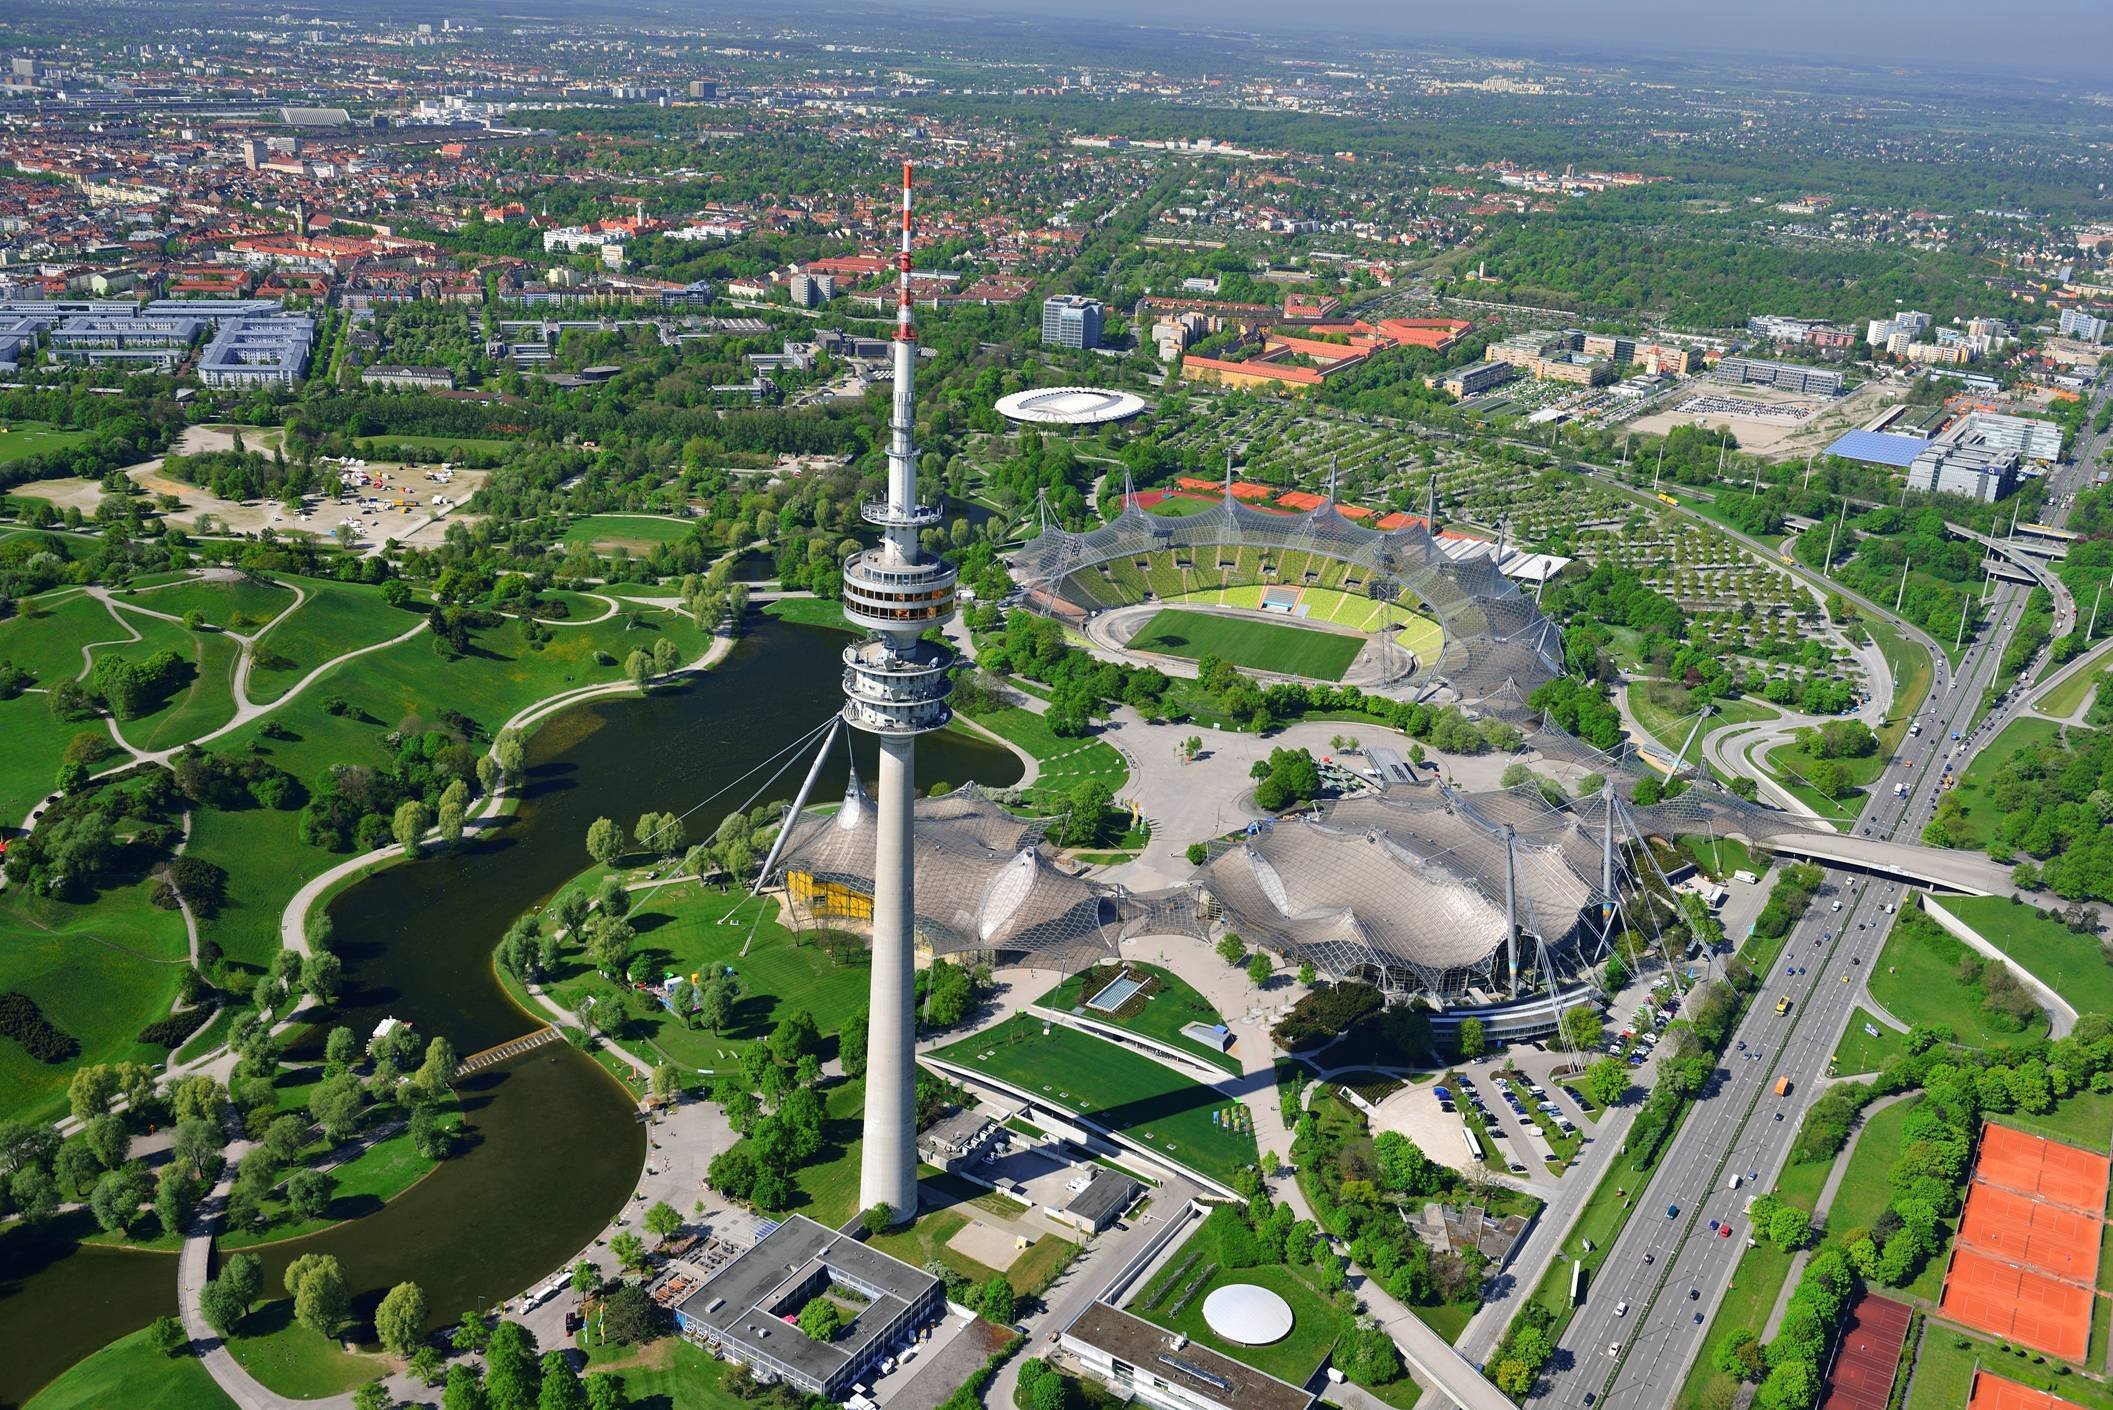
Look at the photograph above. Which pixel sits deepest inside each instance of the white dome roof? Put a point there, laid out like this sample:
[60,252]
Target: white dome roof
[1248,1314]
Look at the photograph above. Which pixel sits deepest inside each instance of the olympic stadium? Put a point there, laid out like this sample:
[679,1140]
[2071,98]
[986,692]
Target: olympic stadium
[1170,589]
[1069,406]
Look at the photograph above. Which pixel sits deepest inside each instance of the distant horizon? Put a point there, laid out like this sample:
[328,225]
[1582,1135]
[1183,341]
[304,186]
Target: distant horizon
[2071,38]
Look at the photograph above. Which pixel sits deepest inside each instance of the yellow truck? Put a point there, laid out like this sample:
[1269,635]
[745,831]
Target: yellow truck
[1782,1087]
[1783,1004]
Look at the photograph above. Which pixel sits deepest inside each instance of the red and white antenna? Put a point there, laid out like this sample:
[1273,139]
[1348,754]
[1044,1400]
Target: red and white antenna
[905,321]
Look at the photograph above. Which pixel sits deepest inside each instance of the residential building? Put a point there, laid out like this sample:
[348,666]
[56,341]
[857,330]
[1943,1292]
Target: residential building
[810,290]
[1908,322]
[256,351]
[743,1311]
[1071,321]
[2076,323]
[415,378]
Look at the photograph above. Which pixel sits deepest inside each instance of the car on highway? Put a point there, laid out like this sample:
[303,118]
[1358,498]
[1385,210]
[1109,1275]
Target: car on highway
[1621,1309]
[1672,1211]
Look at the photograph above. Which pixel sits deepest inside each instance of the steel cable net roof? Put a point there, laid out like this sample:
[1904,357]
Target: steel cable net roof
[1412,887]
[1494,635]
[984,882]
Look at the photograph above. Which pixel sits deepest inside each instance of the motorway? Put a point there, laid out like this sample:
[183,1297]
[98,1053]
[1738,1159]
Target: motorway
[1642,1324]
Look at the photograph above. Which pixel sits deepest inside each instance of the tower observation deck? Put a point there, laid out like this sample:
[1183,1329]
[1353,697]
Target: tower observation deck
[896,687]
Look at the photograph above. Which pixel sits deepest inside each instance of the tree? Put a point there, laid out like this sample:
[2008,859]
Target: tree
[108,1140]
[336,1104]
[1308,974]
[1473,1039]
[879,1218]
[424,1365]
[561,1389]
[608,943]
[322,975]
[117,1198]
[464,1391]
[851,1044]
[374,1395]
[1789,1227]
[638,668]
[1582,1029]
[34,1192]
[450,822]
[409,825]
[1232,949]
[663,1221]
[796,1033]
[630,1250]
[820,1319]
[605,841]
[321,1299]
[472,1334]
[996,1301]
[510,1375]
[308,1193]
[400,1321]
[628,1316]
[165,1334]
[1259,969]
[227,1299]
[91,1090]
[1404,1167]
[1606,1082]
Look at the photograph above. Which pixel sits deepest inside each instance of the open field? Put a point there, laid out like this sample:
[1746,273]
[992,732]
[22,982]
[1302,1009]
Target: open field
[1147,1102]
[1161,1015]
[36,743]
[2070,964]
[335,618]
[46,636]
[295,1361]
[1859,1052]
[459,445]
[130,1373]
[21,439]
[637,532]
[99,971]
[1255,645]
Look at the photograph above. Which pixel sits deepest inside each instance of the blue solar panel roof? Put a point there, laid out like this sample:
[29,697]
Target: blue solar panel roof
[1878,448]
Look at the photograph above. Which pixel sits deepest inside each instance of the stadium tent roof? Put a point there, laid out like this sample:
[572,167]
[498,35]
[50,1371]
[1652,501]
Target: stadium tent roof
[1070,406]
[1878,448]
[1247,1313]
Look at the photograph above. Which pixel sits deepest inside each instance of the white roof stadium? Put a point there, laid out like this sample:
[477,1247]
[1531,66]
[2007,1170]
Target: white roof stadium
[1070,406]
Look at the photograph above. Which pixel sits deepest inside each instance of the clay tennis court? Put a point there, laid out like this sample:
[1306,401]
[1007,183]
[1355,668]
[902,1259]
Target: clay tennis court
[2064,1175]
[1995,1393]
[2016,1228]
[1862,1375]
[2004,1300]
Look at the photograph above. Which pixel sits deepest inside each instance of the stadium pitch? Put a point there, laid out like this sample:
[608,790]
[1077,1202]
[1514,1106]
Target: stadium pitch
[1256,645]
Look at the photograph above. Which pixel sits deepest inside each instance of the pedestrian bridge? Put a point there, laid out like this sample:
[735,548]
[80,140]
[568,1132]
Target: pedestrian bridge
[1938,868]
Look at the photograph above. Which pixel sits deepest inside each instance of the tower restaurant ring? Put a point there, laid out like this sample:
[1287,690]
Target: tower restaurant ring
[1070,406]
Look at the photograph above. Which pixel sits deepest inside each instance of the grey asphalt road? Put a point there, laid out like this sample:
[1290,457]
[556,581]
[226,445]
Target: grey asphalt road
[1642,1324]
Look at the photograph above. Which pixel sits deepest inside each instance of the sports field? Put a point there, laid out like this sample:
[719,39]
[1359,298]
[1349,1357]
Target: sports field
[1151,1104]
[1257,645]
[1413,630]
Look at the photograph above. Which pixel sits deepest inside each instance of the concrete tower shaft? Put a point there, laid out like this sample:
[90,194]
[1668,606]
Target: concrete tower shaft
[896,687]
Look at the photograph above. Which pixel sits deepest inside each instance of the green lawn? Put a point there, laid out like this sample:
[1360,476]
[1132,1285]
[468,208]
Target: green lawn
[809,612]
[2070,964]
[21,439]
[672,1374]
[491,445]
[240,603]
[2069,696]
[1859,1052]
[363,1185]
[335,618]
[1180,506]
[1064,763]
[689,929]
[1972,792]
[1146,1101]
[46,635]
[1913,675]
[1945,1365]
[1865,1192]
[36,745]
[1664,711]
[203,704]
[2085,1119]
[1755,1284]
[1247,642]
[1720,856]
[295,1361]
[100,971]
[637,532]
[1169,1301]
[1916,980]
[130,1373]
[1170,1005]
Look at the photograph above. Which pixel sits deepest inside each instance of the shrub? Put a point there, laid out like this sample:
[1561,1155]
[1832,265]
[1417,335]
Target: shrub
[1325,1013]
[23,1021]
[174,1029]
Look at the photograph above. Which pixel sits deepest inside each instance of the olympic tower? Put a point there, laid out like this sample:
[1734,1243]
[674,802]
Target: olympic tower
[896,687]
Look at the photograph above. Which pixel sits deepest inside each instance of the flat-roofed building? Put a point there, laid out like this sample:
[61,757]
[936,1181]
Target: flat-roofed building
[1789,376]
[1099,1198]
[955,1140]
[742,1311]
[1474,380]
[2030,437]
[258,351]
[428,379]
[2079,323]
[1969,468]
[1071,321]
[1166,1371]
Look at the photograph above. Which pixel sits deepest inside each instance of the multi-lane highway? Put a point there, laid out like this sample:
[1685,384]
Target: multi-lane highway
[1642,1322]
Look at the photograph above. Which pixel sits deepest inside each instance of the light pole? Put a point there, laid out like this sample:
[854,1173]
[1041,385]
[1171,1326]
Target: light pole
[1902,593]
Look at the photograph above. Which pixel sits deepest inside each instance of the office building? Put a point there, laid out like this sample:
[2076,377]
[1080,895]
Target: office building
[2076,323]
[1789,376]
[1472,381]
[1163,1370]
[424,379]
[1609,345]
[1071,321]
[744,1311]
[1976,471]
[704,89]
[2030,437]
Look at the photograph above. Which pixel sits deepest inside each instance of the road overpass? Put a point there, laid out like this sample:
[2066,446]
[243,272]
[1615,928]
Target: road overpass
[1938,868]
[2024,565]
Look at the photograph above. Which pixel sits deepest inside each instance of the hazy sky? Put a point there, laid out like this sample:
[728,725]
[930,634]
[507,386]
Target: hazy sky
[2067,36]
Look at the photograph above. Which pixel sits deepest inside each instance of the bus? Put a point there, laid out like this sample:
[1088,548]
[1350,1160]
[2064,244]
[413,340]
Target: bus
[1668,499]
